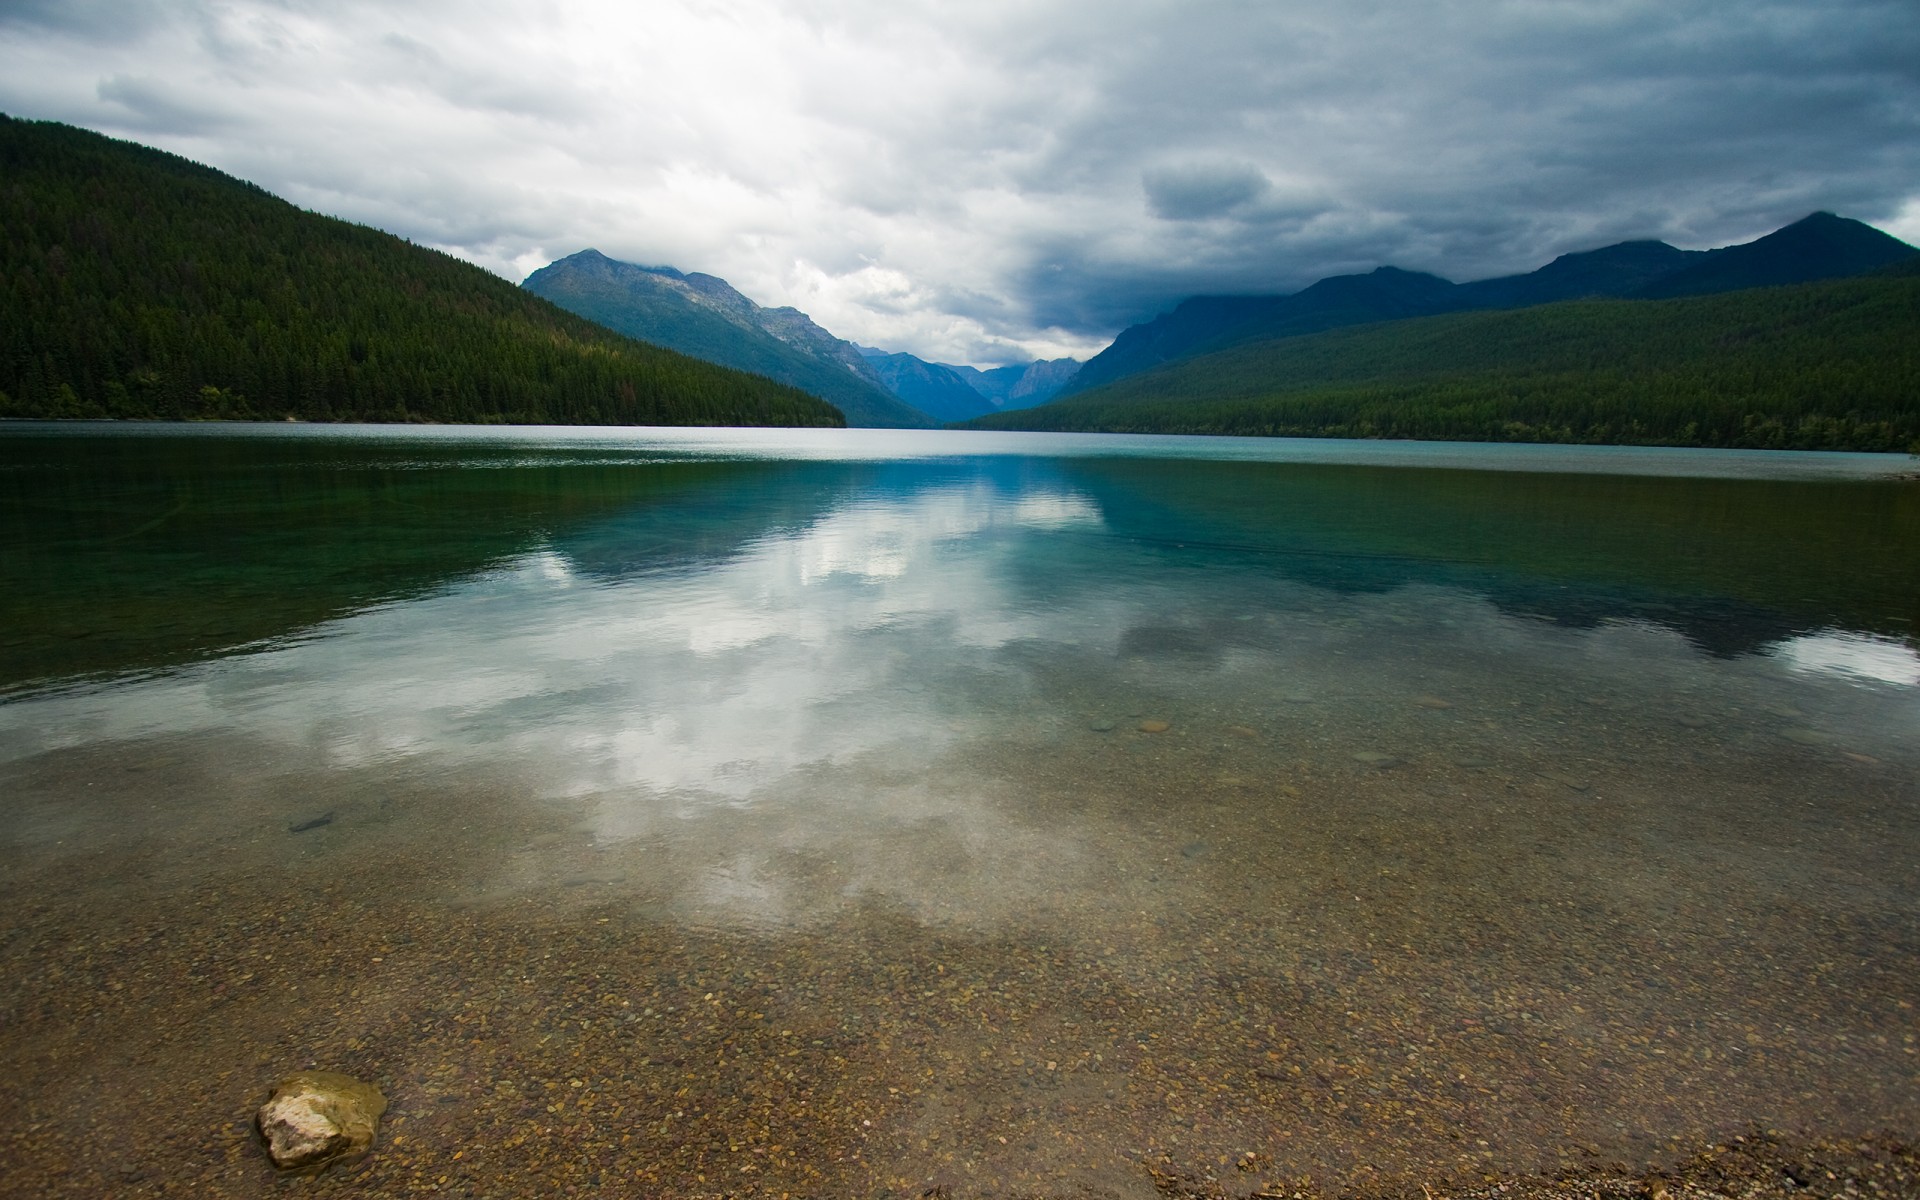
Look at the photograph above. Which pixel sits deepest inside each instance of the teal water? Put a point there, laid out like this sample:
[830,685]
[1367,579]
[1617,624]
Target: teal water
[854,812]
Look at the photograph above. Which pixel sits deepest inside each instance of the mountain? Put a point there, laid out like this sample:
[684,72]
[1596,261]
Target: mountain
[1022,385]
[1623,269]
[1833,365]
[927,384]
[936,389]
[702,315]
[134,283]
[1206,323]
[1821,246]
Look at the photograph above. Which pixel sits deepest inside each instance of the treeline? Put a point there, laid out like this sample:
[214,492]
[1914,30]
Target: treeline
[136,284]
[1825,366]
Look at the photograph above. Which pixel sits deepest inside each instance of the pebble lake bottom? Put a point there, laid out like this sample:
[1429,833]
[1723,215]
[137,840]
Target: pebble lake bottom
[758,813]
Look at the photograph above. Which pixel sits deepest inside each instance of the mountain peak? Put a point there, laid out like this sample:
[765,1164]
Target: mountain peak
[1817,246]
[1820,245]
[706,317]
[594,259]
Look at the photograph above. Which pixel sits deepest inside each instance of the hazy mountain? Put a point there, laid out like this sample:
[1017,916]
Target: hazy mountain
[137,284]
[1821,246]
[936,389]
[1022,385]
[702,315]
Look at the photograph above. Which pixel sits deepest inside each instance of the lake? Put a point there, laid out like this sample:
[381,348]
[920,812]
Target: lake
[857,813]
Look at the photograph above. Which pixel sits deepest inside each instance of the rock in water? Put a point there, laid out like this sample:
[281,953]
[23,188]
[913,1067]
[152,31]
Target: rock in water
[316,1117]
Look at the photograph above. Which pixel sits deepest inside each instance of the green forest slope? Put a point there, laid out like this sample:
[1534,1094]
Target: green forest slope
[1827,366]
[134,283]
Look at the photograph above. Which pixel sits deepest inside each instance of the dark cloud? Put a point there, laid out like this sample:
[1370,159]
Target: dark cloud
[1206,190]
[108,20]
[986,182]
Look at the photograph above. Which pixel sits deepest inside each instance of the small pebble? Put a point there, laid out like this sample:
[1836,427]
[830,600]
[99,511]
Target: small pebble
[1154,727]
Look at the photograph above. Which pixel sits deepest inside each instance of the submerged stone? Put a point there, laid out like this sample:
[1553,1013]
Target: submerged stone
[317,1117]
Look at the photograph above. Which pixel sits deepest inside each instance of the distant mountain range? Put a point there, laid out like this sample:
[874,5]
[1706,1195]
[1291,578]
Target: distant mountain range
[957,393]
[934,388]
[1821,246]
[705,316]
[1023,386]
[139,284]
[1828,365]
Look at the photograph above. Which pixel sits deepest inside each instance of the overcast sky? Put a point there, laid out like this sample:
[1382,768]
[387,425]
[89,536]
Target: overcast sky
[985,181]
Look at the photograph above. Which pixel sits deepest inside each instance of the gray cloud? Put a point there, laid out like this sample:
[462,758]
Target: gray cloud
[1204,190]
[981,182]
[153,106]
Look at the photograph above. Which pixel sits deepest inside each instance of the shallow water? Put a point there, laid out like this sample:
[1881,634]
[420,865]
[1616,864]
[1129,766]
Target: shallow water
[852,813]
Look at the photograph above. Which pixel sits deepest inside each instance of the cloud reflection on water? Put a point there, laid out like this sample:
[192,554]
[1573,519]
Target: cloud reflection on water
[766,731]
[803,684]
[1851,655]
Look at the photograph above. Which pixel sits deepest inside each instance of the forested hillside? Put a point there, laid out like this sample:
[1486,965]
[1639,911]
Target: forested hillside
[1819,246]
[1827,366]
[134,283]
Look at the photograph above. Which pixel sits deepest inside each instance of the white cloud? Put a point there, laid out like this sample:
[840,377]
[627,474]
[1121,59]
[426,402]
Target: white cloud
[989,181]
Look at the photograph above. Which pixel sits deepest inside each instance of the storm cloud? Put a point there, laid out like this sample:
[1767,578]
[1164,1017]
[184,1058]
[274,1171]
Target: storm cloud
[995,181]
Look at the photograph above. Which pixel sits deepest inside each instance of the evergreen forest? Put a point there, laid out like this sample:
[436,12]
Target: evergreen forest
[1818,366]
[137,284]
